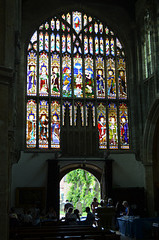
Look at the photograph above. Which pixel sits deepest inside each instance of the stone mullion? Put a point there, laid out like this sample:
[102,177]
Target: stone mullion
[6,146]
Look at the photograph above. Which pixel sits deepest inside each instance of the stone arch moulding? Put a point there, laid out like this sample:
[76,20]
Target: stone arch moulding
[93,169]
[149,133]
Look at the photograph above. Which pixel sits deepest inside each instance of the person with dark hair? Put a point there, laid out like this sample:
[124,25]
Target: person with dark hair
[90,217]
[94,205]
[67,206]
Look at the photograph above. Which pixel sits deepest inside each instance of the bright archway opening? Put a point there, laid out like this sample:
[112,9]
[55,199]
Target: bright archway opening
[79,187]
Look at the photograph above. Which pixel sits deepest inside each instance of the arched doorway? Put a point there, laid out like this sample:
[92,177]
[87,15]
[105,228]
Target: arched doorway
[150,158]
[79,187]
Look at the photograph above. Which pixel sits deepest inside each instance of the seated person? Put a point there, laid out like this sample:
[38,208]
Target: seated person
[67,206]
[51,214]
[68,215]
[27,218]
[127,211]
[13,218]
[74,217]
[110,203]
[90,219]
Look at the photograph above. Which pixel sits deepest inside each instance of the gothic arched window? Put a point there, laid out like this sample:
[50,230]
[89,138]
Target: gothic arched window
[76,62]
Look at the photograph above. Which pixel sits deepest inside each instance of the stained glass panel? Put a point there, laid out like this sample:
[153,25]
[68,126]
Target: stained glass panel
[111,84]
[101,46]
[85,45]
[63,27]
[46,42]
[101,123]
[89,77]
[69,43]
[107,46]
[55,124]
[55,75]
[90,28]
[63,43]
[101,28]
[91,45]
[78,76]
[66,76]
[31,124]
[46,26]
[118,43]
[52,24]
[96,45]
[68,18]
[122,84]
[112,46]
[85,20]
[43,124]
[96,28]
[34,46]
[57,25]
[40,41]
[100,77]
[43,74]
[77,23]
[112,121]
[32,74]
[52,42]
[58,43]
[124,128]
[34,37]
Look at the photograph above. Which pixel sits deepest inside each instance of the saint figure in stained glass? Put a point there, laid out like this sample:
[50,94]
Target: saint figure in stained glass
[100,83]
[43,80]
[31,79]
[102,131]
[113,131]
[66,81]
[55,130]
[124,130]
[43,127]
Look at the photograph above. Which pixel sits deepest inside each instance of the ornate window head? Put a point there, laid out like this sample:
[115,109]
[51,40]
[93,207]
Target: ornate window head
[76,76]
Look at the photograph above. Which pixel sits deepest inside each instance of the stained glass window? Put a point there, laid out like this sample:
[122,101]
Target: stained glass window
[76,70]
[147,44]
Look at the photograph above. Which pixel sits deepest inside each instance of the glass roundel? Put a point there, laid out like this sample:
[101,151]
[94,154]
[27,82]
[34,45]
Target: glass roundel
[75,62]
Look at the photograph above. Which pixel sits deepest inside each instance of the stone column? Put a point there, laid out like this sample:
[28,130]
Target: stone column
[5,79]
[53,186]
[149,188]
[108,177]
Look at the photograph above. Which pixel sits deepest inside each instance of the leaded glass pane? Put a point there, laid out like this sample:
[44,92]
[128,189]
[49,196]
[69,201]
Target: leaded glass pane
[40,41]
[124,127]
[78,77]
[101,121]
[111,84]
[77,23]
[55,124]
[89,77]
[32,74]
[55,75]
[112,121]
[31,124]
[100,78]
[43,124]
[122,84]
[43,74]
[66,76]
